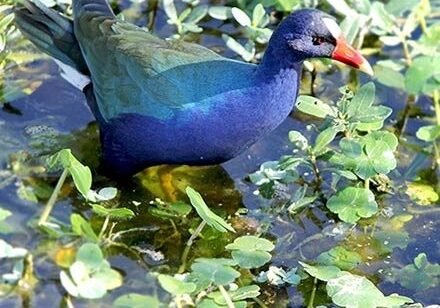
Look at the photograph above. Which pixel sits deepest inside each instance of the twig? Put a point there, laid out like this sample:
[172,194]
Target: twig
[367,183]
[53,198]
[226,296]
[185,253]
[312,296]
[436,99]
[104,227]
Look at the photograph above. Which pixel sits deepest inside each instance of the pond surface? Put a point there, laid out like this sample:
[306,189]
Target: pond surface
[55,116]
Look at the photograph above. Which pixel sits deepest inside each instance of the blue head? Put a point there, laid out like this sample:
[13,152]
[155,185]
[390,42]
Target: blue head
[310,33]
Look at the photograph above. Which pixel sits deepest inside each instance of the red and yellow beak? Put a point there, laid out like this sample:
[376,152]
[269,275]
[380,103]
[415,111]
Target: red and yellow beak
[345,53]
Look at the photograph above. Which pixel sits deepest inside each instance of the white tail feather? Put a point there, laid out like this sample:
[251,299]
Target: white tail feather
[72,76]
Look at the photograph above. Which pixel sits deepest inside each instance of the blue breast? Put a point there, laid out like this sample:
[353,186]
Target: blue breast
[195,136]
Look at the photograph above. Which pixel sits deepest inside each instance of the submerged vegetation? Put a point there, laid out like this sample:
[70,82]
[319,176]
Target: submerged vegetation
[347,216]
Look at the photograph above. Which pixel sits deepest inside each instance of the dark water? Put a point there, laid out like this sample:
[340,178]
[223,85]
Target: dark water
[56,116]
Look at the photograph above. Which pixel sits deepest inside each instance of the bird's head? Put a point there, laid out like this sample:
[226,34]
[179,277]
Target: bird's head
[311,33]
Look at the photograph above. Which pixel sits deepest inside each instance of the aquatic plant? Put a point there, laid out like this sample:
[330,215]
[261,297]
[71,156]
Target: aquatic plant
[352,202]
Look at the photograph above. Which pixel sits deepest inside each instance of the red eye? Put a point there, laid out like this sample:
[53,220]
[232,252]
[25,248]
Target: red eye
[318,40]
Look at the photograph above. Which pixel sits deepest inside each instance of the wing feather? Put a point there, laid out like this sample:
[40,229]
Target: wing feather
[134,71]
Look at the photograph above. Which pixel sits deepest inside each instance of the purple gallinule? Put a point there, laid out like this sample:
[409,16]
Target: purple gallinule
[173,102]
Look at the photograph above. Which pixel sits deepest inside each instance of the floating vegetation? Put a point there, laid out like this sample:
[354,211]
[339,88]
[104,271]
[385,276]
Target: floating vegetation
[338,208]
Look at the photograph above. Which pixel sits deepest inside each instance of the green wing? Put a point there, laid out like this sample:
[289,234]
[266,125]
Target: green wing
[135,72]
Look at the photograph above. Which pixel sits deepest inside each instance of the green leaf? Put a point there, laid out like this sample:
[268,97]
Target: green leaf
[381,156]
[82,227]
[398,7]
[220,12]
[8,251]
[82,177]
[116,213]
[239,294]
[348,290]
[210,303]
[421,261]
[377,155]
[421,193]
[133,300]
[321,272]
[242,293]
[251,259]
[350,27]
[313,106]
[26,193]
[90,276]
[419,73]
[324,139]
[380,17]
[4,214]
[258,16]
[104,194]
[287,5]
[241,17]
[171,210]
[298,140]
[197,14]
[215,272]
[389,76]
[246,52]
[205,213]
[251,243]
[175,286]
[428,133]
[430,38]
[278,276]
[250,251]
[340,257]
[353,203]
[419,276]
[251,291]
[350,147]
[362,101]
[373,114]
[90,254]
[170,10]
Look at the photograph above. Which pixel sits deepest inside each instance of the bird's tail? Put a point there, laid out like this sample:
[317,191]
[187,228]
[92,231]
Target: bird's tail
[98,7]
[51,32]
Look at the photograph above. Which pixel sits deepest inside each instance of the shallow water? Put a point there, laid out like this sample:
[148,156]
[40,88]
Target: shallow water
[56,116]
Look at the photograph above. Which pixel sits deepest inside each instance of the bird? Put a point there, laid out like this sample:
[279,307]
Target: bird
[161,101]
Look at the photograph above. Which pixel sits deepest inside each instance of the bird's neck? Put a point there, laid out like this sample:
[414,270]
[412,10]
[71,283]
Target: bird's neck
[276,60]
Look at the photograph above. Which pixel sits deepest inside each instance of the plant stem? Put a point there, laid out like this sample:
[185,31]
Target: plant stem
[179,302]
[367,183]
[53,198]
[226,296]
[104,227]
[406,52]
[312,296]
[185,253]
[436,99]
[259,302]
[423,26]
[436,153]
[152,16]
[316,172]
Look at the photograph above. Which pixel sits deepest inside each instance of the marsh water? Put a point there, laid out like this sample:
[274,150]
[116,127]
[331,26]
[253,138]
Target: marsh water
[55,116]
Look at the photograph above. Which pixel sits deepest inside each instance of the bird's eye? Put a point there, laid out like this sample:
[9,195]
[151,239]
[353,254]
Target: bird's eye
[318,40]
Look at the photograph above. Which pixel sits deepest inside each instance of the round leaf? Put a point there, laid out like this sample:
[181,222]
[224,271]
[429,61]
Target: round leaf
[134,300]
[251,243]
[251,259]
[352,203]
[176,286]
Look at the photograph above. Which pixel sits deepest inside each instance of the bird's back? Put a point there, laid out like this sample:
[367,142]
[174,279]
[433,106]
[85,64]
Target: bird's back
[134,71]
